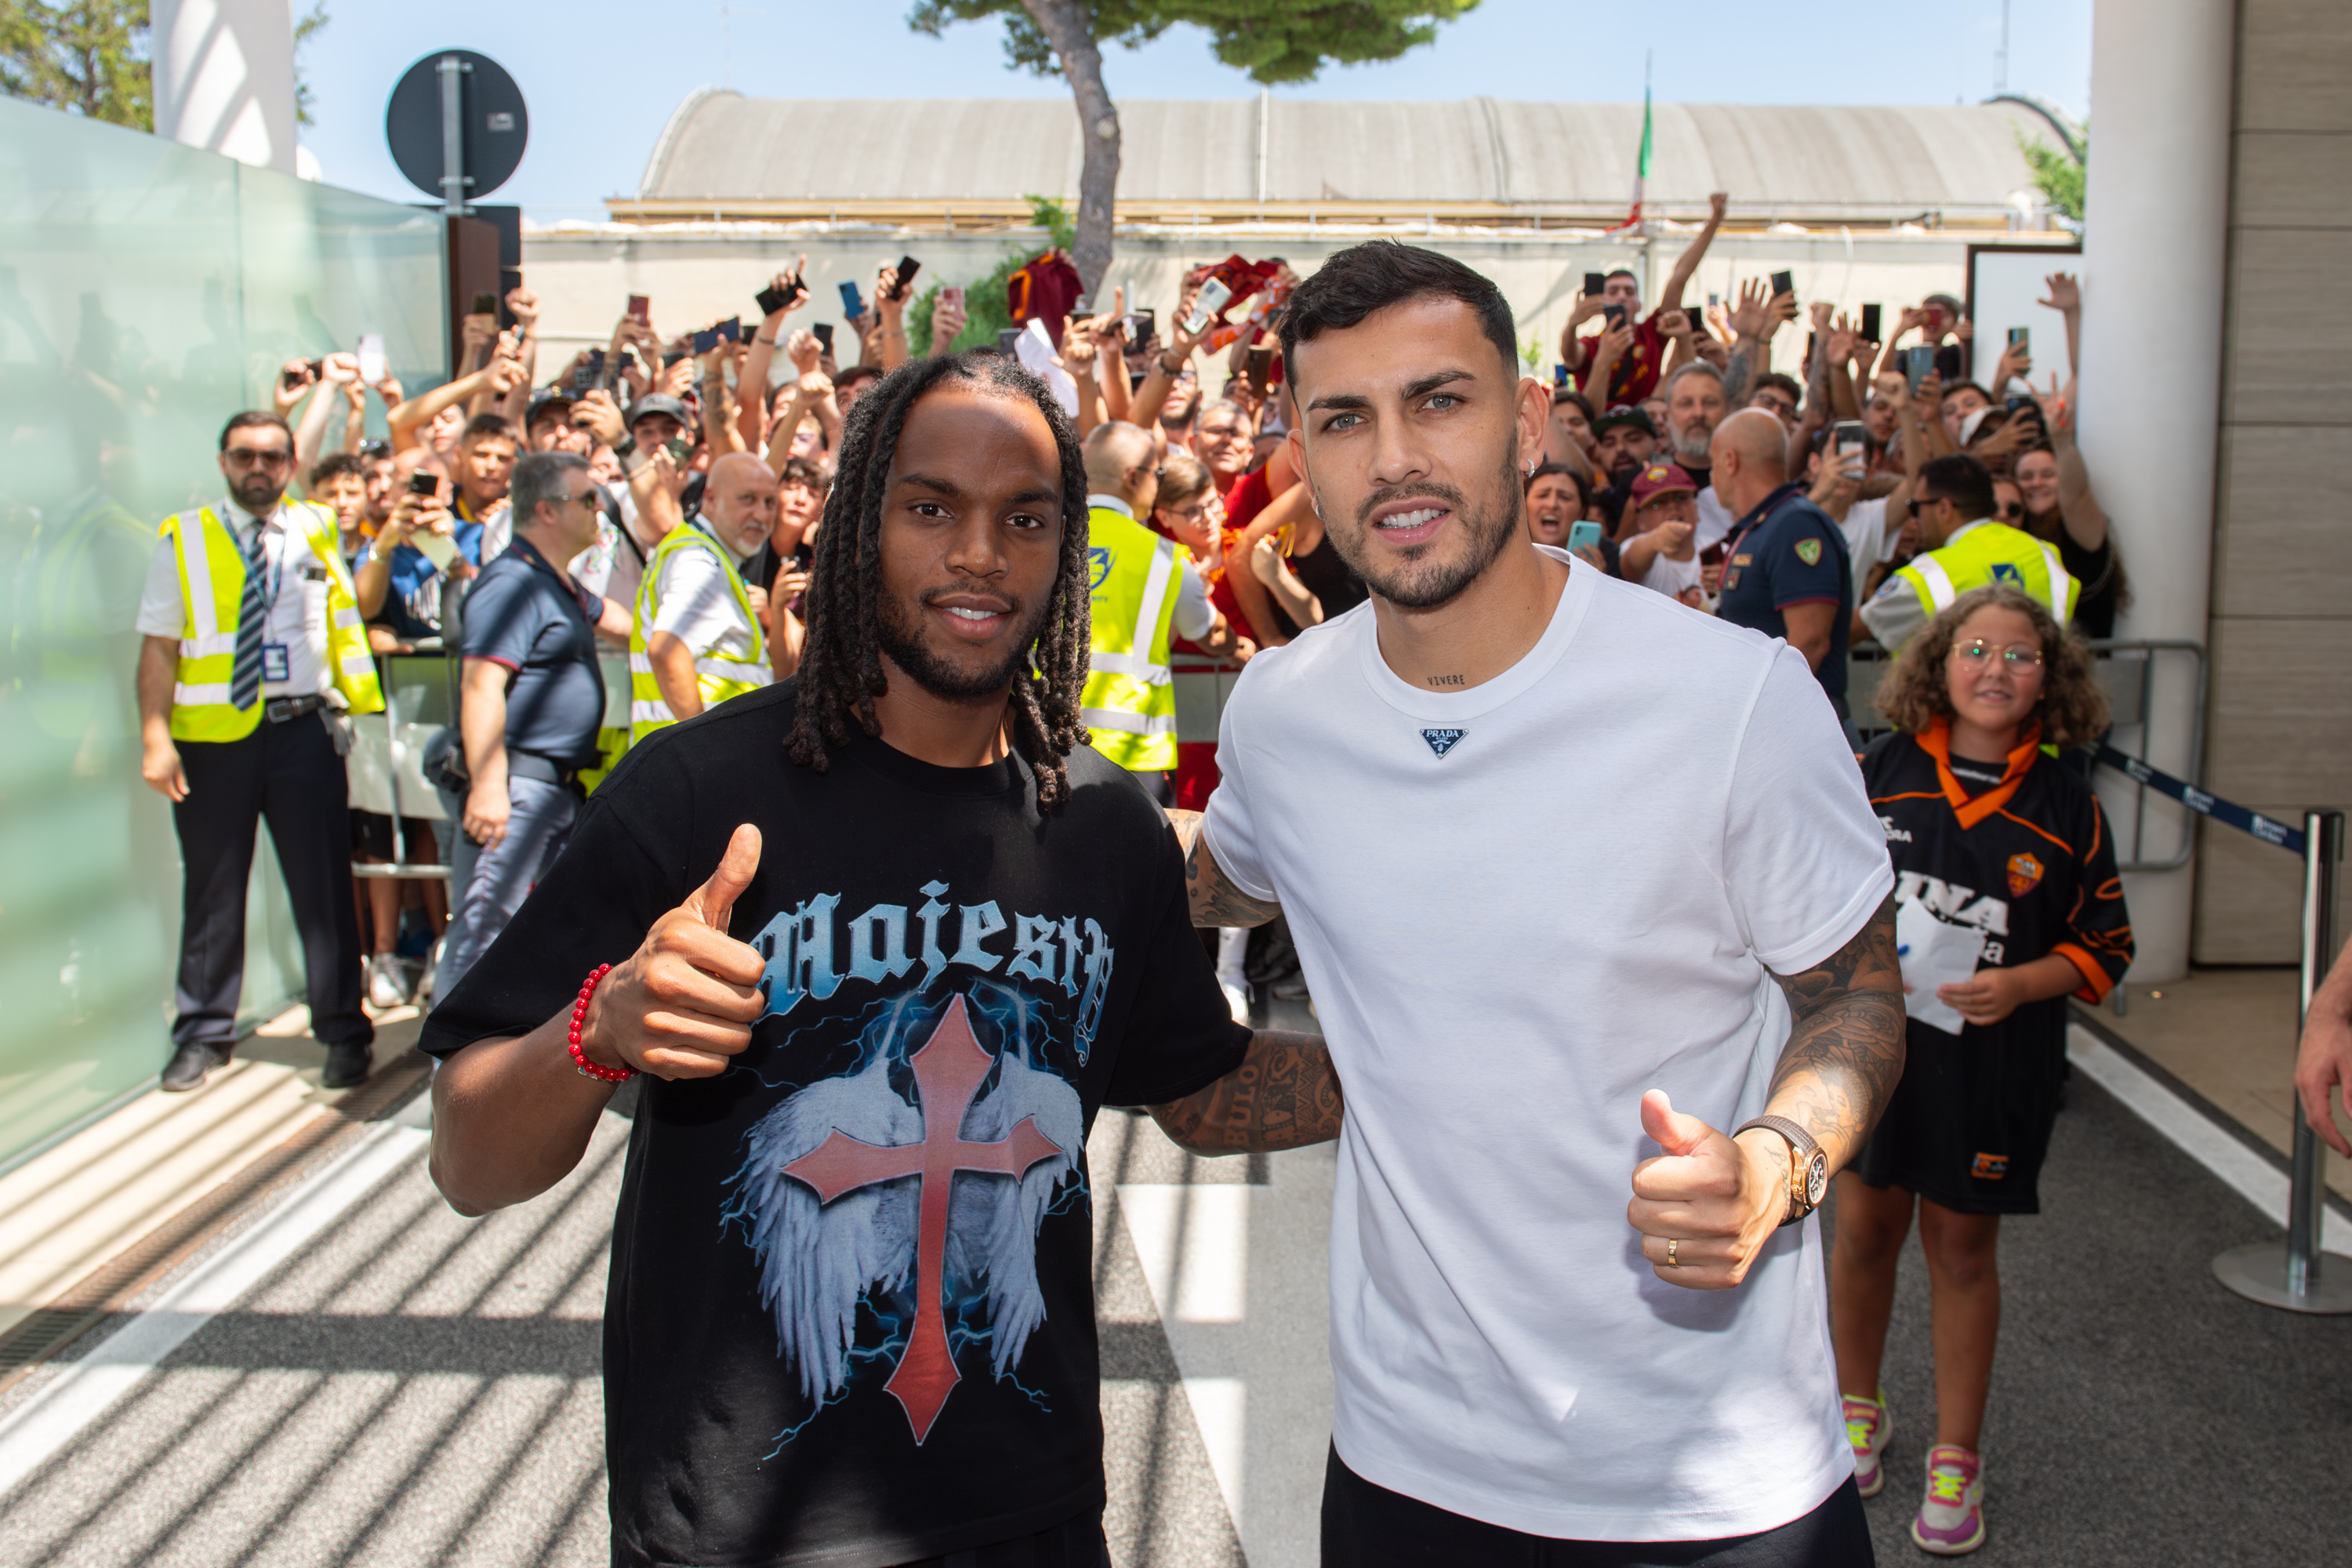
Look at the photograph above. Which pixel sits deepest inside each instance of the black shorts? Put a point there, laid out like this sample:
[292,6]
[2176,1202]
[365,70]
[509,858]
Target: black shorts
[1369,1526]
[1077,1544]
[371,836]
[1969,1123]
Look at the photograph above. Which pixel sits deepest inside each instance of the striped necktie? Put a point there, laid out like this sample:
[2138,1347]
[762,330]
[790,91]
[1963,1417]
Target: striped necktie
[245,669]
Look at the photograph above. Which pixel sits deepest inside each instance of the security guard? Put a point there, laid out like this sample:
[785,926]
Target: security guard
[253,645]
[701,634]
[1142,592]
[1967,548]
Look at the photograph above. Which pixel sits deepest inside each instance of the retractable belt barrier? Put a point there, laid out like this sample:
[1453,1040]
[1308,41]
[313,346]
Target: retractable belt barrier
[2279,1274]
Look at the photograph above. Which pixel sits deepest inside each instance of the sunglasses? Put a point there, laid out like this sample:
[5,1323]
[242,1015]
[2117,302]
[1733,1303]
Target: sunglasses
[266,457]
[2013,508]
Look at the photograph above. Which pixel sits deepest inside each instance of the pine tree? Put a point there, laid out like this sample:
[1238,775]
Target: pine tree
[85,56]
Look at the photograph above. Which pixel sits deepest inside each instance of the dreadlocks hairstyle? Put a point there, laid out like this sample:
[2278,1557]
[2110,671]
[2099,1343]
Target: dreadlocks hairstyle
[841,665]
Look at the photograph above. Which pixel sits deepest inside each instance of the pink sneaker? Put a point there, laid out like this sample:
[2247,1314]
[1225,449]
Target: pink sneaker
[1951,1516]
[1867,1428]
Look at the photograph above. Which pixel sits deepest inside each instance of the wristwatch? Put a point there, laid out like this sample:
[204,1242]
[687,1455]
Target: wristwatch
[1809,1167]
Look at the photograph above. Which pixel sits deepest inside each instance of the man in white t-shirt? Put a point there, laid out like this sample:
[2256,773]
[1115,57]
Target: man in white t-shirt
[1536,1014]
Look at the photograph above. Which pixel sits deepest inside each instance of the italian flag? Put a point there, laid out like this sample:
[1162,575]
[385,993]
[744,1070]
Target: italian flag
[1641,164]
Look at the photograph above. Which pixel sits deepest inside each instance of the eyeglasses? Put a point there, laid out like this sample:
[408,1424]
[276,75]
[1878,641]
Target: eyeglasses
[2017,656]
[2013,508]
[1919,501]
[266,457]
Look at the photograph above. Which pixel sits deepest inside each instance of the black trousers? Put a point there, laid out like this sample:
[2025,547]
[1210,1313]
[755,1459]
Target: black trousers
[1369,1526]
[290,775]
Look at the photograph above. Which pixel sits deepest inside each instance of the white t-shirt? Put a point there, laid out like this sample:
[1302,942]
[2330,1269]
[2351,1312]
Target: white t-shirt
[1499,984]
[296,616]
[697,605]
[1669,576]
[1715,520]
[1868,540]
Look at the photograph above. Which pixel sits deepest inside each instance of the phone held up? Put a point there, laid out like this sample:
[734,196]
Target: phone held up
[1850,436]
[1139,328]
[907,267]
[853,303]
[1870,324]
[771,298]
[1583,535]
[823,333]
[1916,363]
[1784,283]
[1595,283]
[1947,362]
[641,310]
[373,368]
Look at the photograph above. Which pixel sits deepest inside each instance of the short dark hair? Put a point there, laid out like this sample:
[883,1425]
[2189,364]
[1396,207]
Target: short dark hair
[1624,272]
[335,464]
[805,472]
[1583,484]
[1379,273]
[1779,381]
[482,426]
[538,476]
[1961,480]
[851,374]
[1959,386]
[1569,394]
[252,418]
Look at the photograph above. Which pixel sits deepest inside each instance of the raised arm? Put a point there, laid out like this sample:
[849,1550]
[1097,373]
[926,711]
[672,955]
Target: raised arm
[2087,520]
[1686,267]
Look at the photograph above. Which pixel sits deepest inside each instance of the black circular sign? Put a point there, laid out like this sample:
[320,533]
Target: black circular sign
[496,126]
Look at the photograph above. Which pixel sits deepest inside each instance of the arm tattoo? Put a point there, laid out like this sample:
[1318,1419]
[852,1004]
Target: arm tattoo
[1845,1050]
[1214,902]
[1736,376]
[1283,1095]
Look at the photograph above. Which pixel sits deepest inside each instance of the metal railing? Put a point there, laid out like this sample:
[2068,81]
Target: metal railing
[420,696]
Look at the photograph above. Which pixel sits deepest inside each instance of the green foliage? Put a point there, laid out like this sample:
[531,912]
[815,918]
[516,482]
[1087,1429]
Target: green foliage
[85,56]
[2057,174]
[986,310]
[1275,41]
[1532,352]
[306,27]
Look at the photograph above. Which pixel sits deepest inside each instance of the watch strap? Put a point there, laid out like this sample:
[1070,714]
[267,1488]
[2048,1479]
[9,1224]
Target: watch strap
[1802,1147]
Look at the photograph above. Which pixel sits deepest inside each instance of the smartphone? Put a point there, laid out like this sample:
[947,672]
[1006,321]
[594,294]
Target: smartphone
[1211,299]
[371,358]
[669,360]
[1714,301]
[731,331]
[291,379]
[1259,368]
[1082,307]
[1915,362]
[1140,327]
[705,340]
[771,298]
[485,303]
[2022,339]
[1870,324]
[1560,375]
[641,307]
[853,303]
[680,450]
[1850,436]
[1584,536]
[1613,314]
[590,376]
[422,483]
[1594,282]
[1784,283]
[2015,404]
[823,333]
[1947,362]
[1006,337]
[907,267]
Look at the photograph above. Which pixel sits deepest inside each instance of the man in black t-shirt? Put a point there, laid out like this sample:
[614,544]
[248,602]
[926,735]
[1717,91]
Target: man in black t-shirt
[885,938]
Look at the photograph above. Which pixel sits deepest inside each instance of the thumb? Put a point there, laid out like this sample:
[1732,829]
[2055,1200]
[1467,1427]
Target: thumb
[713,902]
[1670,1129]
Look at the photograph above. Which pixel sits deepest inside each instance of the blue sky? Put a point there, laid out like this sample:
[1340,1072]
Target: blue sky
[601,76]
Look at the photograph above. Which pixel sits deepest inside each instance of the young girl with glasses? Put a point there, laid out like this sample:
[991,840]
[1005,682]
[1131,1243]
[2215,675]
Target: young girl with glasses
[2010,902]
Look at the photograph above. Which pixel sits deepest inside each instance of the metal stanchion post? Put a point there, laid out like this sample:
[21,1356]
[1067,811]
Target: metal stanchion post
[2289,1274]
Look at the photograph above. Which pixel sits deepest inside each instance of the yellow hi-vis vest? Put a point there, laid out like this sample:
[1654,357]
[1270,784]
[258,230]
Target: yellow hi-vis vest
[1129,703]
[1983,553]
[212,592]
[720,676]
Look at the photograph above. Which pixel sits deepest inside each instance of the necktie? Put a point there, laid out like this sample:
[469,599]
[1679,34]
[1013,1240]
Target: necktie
[245,669]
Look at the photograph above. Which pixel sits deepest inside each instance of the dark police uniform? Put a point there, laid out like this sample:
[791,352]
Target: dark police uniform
[1788,552]
[2021,852]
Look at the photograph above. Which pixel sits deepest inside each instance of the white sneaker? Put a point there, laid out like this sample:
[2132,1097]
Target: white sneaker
[426,981]
[1237,998]
[387,983]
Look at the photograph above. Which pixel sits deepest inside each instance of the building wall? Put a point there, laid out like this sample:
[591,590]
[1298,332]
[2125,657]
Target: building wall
[2279,725]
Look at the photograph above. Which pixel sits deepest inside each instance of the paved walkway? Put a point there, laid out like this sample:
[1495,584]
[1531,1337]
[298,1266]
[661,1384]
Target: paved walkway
[409,1387]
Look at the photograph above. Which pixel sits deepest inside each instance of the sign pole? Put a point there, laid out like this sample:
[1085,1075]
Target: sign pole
[2290,1274]
[452,71]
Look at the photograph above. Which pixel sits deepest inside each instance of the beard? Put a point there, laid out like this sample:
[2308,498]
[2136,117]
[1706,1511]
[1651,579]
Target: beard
[1423,583]
[1694,445]
[901,641]
[258,493]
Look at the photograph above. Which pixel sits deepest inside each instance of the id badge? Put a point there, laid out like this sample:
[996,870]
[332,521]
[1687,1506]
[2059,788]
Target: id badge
[275,666]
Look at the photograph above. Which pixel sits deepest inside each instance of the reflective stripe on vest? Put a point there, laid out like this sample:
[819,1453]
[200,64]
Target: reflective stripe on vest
[212,594]
[718,676]
[1130,702]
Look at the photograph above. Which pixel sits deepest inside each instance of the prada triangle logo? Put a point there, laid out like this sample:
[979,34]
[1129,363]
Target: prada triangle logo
[1443,741]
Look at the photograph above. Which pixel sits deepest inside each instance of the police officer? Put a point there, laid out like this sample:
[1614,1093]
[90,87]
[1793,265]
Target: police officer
[253,642]
[1965,548]
[1143,592]
[1785,570]
[700,636]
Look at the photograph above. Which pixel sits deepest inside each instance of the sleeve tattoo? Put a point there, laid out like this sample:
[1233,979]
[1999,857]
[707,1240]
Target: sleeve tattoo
[1283,1095]
[1213,900]
[1845,1047]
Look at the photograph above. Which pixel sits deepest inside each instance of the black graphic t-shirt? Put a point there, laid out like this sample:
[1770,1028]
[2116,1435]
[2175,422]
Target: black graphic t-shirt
[851,1313]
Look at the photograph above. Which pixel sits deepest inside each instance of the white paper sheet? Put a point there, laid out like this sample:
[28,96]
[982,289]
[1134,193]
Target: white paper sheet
[1035,351]
[1934,952]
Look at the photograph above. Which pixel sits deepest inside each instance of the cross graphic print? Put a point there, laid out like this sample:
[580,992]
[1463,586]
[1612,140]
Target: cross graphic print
[947,1074]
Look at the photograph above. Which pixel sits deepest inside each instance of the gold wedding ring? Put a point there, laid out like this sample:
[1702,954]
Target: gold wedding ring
[1673,1242]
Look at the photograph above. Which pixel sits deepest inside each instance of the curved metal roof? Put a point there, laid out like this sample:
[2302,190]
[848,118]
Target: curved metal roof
[1840,163]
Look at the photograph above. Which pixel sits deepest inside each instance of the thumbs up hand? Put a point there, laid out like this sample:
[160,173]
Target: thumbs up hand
[685,1002]
[1717,1200]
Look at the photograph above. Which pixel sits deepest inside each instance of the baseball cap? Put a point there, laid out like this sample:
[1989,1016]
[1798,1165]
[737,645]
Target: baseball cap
[658,403]
[545,398]
[1625,414]
[1659,479]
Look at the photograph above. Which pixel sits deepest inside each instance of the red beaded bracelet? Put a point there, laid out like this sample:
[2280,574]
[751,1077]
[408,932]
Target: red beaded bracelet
[580,1013]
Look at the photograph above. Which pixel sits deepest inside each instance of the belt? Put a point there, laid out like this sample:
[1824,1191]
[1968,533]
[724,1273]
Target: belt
[545,770]
[279,709]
